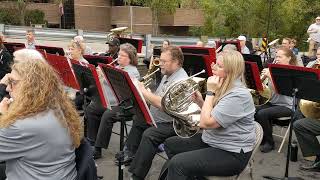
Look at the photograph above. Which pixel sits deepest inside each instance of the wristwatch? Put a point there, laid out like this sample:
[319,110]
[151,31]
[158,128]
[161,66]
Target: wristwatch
[210,93]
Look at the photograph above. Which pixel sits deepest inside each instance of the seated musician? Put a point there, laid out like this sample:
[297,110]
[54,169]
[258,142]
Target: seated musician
[87,49]
[76,50]
[99,120]
[40,128]
[278,106]
[145,139]
[313,64]
[307,130]
[227,119]
[113,50]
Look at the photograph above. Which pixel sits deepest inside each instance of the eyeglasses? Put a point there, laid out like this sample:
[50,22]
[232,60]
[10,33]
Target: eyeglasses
[161,61]
[11,82]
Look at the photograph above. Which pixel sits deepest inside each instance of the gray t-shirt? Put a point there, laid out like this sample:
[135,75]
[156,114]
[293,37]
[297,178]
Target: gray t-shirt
[38,147]
[279,99]
[158,115]
[235,114]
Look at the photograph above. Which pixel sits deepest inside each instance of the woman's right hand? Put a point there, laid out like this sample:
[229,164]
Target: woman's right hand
[4,80]
[197,98]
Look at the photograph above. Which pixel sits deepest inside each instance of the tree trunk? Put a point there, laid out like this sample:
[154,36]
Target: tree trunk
[155,22]
[22,6]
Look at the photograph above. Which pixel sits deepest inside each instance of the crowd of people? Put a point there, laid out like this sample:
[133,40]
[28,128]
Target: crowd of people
[40,128]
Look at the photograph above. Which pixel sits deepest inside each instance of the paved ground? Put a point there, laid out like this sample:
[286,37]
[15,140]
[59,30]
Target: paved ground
[272,164]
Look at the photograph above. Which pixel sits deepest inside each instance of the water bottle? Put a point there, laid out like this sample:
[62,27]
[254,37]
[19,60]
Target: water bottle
[294,151]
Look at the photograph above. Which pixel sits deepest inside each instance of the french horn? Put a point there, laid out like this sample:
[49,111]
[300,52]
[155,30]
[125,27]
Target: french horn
[177,102]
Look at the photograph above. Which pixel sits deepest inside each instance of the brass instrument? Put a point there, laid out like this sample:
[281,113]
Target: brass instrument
[177,102]
[261,97]
[311,109]
[115,33]
[153,68]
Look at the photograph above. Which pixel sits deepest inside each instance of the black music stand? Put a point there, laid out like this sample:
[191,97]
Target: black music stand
[211,52]
[94,60]
[89,82]
[252,76]
[194,63]
[137,43]
[299,83]
[253,58]
[131,103]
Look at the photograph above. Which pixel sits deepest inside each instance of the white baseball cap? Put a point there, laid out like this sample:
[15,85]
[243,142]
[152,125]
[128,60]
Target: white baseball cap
[242,38]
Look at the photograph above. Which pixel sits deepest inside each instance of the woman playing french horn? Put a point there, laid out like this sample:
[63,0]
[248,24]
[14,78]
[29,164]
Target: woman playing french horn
[227,120]
[278,105]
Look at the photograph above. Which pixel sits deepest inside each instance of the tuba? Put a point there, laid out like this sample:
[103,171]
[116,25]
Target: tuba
[311,109]
[115,33]
[178,103]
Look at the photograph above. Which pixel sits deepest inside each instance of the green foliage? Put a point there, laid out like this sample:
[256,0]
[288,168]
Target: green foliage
[34,17]
[9,16]
[229,18]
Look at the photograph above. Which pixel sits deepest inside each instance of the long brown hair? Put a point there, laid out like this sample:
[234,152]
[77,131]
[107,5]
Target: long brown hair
[40,89]
[233,64]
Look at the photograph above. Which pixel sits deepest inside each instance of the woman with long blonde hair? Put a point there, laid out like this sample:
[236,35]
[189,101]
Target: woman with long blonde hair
[39,127]
[227,119]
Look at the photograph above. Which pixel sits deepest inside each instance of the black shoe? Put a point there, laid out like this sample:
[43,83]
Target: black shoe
[314,167]
[266,147]
[125,156]
[97,153]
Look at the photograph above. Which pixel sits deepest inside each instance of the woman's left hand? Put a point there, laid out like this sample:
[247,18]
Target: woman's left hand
[4,105]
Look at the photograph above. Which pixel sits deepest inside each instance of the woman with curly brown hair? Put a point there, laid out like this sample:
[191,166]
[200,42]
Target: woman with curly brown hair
[39,128]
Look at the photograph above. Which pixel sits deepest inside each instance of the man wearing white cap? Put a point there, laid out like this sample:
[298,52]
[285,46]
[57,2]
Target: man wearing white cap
[244,48]
[314,33]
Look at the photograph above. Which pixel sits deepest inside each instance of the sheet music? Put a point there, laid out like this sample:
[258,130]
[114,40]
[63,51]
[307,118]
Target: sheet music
[107,91]
[135,82]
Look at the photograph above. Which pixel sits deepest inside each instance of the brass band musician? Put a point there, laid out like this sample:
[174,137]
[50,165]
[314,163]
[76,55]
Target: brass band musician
[278,105]
[227,117]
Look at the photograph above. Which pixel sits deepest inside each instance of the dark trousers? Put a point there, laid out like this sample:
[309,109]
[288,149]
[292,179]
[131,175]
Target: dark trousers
[151,139]
[306,131]
[264,116]
[105,128]
[93,114]
[190,157]
[135,134]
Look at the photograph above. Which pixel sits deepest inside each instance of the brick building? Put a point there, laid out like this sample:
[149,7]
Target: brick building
[102,15]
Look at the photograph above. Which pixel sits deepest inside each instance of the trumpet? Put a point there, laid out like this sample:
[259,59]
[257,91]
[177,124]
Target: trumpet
[153,68]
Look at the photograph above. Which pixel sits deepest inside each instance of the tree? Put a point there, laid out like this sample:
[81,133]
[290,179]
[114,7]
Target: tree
[157,7]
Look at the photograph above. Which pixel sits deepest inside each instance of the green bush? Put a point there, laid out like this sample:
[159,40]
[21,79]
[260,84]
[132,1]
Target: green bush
[9,16]
[34,17]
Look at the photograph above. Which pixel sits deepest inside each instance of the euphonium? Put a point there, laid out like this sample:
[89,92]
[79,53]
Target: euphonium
[311,109]
[178,103]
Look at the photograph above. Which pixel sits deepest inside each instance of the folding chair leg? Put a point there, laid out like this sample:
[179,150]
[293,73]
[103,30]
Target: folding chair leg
[284,139]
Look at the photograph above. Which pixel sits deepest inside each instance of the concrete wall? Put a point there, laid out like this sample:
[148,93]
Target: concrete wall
[93,15]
